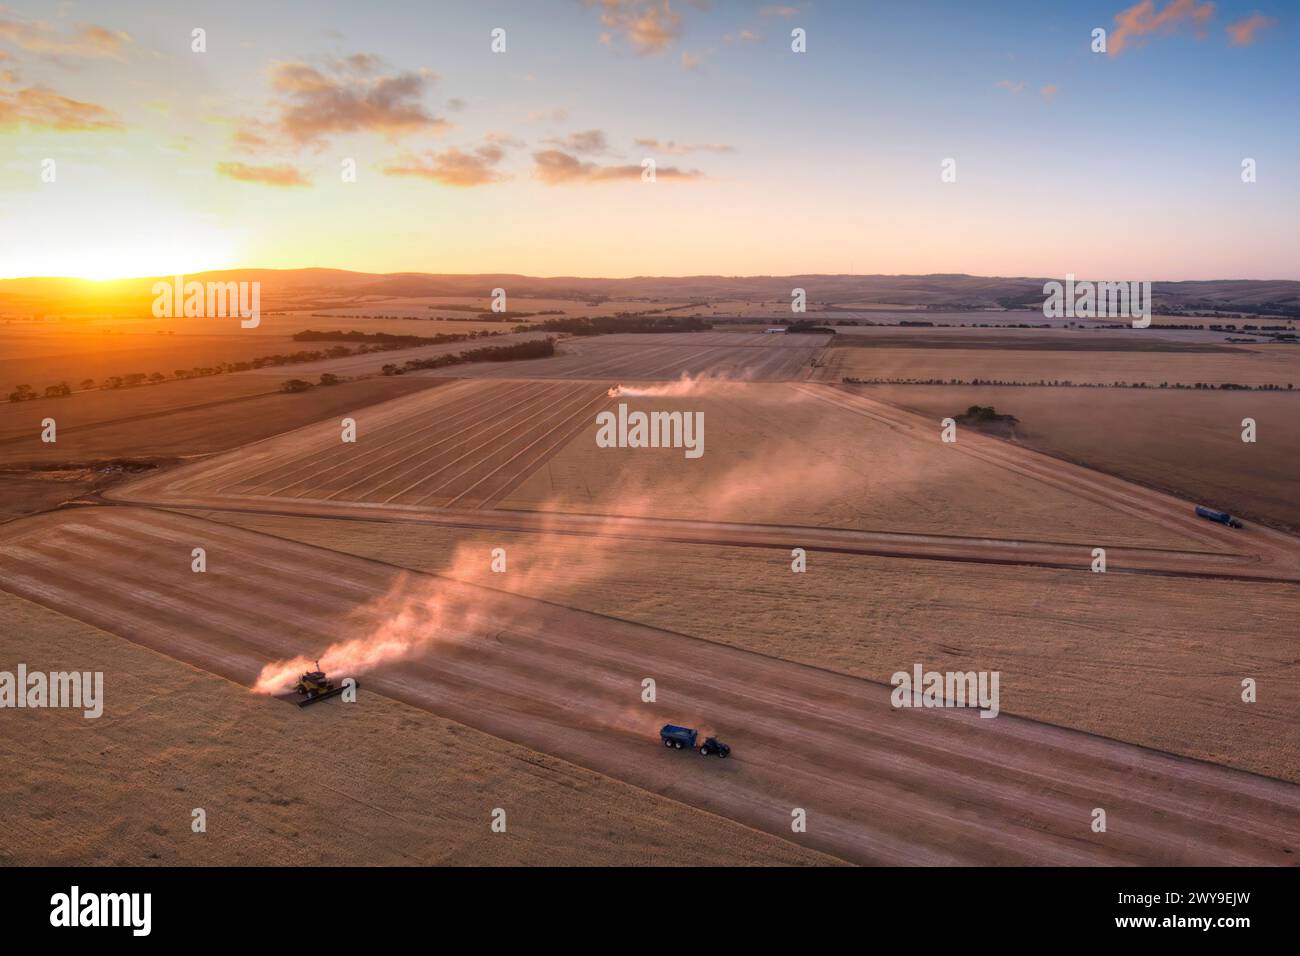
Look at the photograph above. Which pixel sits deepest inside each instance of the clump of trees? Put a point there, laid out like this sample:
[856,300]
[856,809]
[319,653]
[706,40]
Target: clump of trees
[806,326]
[983,414]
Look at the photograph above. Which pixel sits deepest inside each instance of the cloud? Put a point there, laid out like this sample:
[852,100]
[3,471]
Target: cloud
[40,108]
[555,167]
[744,36]
[587,141]
[661,146]
[1009,86]
[557,115]
[265,175]
[650,26]
[87,41]
[1048,92]
[691,61]
[1142,19]
[778,11]
[452,167]
[505,139]
[1243,31]
[348,96]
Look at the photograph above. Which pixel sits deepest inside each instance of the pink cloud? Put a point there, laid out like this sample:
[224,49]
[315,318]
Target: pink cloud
[1142,19]
[1243,31]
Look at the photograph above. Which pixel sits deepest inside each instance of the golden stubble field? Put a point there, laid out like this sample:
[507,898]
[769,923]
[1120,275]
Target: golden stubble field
[1154,661]
[413,789]
[774,454]
[1187,443]
[1242,365]
[161,423]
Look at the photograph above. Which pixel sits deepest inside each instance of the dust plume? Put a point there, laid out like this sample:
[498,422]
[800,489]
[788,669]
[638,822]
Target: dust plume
[414,614]
[684,386]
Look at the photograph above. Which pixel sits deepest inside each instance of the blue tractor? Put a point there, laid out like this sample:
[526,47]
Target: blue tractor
[679,737]
[1222,517]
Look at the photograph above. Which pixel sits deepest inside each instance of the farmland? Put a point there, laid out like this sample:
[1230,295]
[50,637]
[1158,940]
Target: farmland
[512,667]
[502,584]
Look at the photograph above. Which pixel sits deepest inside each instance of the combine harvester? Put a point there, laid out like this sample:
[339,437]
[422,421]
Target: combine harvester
[314,686]
[1222,517]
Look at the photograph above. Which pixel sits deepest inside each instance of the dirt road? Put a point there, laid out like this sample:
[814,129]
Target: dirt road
[878,784]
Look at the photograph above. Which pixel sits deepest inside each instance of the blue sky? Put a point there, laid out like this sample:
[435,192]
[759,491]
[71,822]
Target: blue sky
[1123,165]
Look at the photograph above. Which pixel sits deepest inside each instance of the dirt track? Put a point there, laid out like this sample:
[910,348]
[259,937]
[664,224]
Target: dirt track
[880,785]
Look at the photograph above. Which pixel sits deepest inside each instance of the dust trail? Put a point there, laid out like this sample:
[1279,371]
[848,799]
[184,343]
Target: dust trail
[419,612]
[413,615]
[684,386]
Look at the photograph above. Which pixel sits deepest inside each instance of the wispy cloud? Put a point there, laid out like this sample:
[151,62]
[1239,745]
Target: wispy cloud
[39,108]
[556,114]
[1244,31]
[347,96]
[649,26]
[453,167]
[1048,92]
[1142,19]
[586,141]
[555,168]
[264,175]
[86,41]
[669,146]
[1010,87]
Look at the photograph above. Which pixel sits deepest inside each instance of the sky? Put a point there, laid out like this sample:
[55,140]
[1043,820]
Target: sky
[124,151]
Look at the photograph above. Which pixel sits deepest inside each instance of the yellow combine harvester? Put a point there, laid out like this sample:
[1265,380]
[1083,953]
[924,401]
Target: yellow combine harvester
[315,686]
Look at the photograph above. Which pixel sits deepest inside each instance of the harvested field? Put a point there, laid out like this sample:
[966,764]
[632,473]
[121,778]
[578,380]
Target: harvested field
[372,362]
[775,454]
[42,356]
[462,445]
[654,357]
[1264,365]
[857,498]
[182,418]
[879,785]
[1145,660]
[1186,443]
[419,789]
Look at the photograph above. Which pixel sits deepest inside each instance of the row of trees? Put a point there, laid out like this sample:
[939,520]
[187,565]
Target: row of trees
[537,348]
[370,342]
[608,324]
[1066,383]
[24,393]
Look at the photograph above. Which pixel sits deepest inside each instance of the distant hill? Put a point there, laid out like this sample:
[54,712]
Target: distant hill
[325,288]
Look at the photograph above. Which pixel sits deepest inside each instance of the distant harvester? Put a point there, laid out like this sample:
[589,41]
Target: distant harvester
[1222,517]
